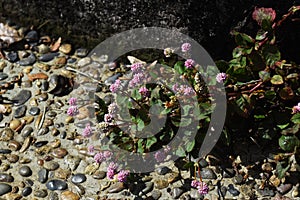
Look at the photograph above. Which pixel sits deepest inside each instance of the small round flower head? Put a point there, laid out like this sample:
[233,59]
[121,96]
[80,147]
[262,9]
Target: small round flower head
[144,91]
[108,118]
[221,77]
[260,14]
[186,90]
[99,158]
[112,109]
[115,86]
[202,188]
[195,183]
[175,88]
[296,109]
[168,52]
[73,111]
[160,156]
[185,47]
[87,131]
[167,149]
[111,170]
[107,154]
[122,175]
[91,149]
[189,63]
[136,67]
[136,80]
[73,101]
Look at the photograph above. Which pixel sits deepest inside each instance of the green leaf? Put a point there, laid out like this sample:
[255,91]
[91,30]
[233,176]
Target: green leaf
[190,145]
[259,116]
[271,54]
[237,52]
[264,75]
[140,124]
[281,171]
[140,146]
[136,95]
[180,152]
[243,40]
[283,126]
[296,118]
[179,67]
[150,141]
[288,143]
[277,80]
[261,34]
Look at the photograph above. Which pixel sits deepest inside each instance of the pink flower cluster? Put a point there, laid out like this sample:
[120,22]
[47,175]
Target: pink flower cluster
[112,109]
[201,186]
[189,63]
[102,156]
[91,149]
[183,89]
[73,109]
[221,77]
[296,109]
[111,171]
[144,91]
[260,14]
[122,175]
[115,86]
[87,132]
[137,79]
[108,118]
[136,67]
[185,47]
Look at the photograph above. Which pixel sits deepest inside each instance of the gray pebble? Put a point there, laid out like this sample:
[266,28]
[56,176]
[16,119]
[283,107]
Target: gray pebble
[12,56]
[26,191]
[238,179]
[232,190]
[32,36]
[56,184]
[5,188]
[5,151]
[78,178]
[284,188]
[34,111]
[163,170]
[43,131]
[28,60]
[25,171]
[48,56]
[3,76]
[40,193]
[43,175]
[81,52]
[266,192]
[176,192]
[156,194]
[207,173]
[20,111]
[40,143]
[22,97]
[26,131]
[6,178]
[228,173]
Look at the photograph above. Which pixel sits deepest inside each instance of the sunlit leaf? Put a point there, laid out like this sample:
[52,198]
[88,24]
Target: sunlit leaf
[190,145]
[277,80]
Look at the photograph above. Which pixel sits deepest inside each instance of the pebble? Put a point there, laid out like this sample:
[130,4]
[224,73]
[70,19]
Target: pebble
[26,191]
[161,184]
[51,165]
[42,48]
[62,173]
[14,124]
[5,151]
[232,190]
[148,188]
[43,131]
[40,143]
[3,76]
[32,36]
[48,57]
[6,178]
[65,48]
[68,195]
[176,192]
[228,173]
[26,144]
[12,158]
[28,60]
[156,194]
[163,170]
[81,52]
[207,173]
[6,135]
[266,192]
[26,131]
[25,171]
[40,193]
[20,111]
[12,56]
[5,188]
[83,62]
[56,185]
[59,153]
[53,196]
[22,97]
[195,194]
[116,187]
[99,174]
[238,179]
[43,175]
[78,178]
[284,188]
[42,66]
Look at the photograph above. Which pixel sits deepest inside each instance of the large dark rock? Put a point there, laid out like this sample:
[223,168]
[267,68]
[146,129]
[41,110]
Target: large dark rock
[88,22]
